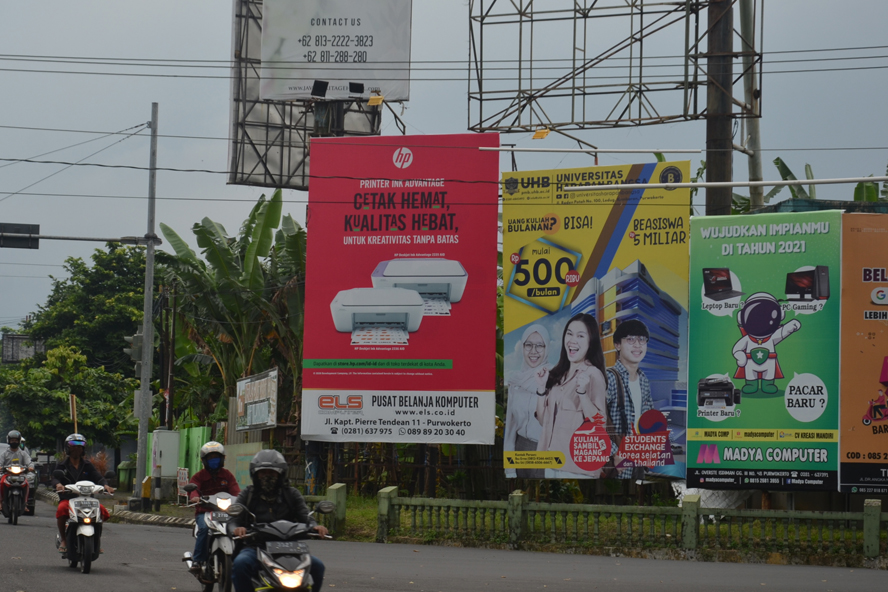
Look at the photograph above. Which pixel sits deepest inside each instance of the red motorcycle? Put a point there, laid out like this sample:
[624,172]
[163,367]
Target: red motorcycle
[15,489]
[870,416]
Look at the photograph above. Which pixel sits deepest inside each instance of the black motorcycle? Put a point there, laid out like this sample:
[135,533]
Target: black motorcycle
[284,558]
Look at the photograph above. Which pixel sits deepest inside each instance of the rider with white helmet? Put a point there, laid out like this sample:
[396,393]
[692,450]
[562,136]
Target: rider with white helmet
[210,480]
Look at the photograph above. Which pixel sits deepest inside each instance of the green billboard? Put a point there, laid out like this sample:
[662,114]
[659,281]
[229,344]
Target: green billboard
[763,370]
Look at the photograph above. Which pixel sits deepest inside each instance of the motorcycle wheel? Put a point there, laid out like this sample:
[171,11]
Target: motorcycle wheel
[224,574]
[86,554]
[867,421]
[16,510]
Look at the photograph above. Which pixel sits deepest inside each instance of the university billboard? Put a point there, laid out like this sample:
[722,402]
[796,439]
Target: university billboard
[595,320]
[765,305]
[400,306]
[864,442]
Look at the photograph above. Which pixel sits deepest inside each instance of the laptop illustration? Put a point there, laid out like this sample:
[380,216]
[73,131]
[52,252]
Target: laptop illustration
[717,284]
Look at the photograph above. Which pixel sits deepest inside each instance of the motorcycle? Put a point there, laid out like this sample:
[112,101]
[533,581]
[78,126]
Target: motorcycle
[284,560]
[220,544]
[870,416]
[17,489]
[84,528]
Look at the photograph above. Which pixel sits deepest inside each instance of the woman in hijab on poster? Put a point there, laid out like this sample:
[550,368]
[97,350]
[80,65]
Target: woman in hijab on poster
[522,428]
[573,390]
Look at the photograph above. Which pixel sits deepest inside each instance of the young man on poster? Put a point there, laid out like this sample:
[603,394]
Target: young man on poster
[632,392]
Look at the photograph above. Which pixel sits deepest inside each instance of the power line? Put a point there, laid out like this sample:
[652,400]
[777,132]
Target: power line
[230,63]
[70,165]
[32,264]
[228,139]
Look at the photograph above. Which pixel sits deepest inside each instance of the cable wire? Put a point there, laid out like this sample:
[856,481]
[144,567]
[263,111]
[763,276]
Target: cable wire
[79,162]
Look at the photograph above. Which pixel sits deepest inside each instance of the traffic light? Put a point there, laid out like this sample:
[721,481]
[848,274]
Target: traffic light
[135,349]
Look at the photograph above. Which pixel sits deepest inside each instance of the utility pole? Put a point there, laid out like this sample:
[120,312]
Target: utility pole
[144,415]
[719,66]
[751,96]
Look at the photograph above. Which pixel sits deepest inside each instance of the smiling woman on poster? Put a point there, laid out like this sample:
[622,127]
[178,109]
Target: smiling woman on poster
[522,428]
[575,389]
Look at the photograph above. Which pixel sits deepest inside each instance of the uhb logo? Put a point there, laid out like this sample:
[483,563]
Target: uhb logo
[337,402]
[402,158]
[708,455]
[879,296]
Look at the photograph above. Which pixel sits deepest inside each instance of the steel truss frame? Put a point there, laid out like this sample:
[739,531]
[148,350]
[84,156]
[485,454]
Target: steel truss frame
[574,98]
[269,140]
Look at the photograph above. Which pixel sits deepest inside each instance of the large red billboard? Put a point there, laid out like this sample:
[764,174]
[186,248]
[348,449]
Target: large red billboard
[400,306]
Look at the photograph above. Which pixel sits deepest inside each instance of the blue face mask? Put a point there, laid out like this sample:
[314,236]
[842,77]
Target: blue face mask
[214,464]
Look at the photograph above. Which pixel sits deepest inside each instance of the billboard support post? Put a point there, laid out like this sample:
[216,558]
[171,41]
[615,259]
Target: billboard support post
[144,411]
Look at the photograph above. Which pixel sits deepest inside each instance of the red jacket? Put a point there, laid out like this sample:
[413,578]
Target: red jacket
[211,483]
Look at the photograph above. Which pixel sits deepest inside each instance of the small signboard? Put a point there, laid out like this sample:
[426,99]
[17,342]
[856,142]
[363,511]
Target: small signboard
[181,482]
[257,401]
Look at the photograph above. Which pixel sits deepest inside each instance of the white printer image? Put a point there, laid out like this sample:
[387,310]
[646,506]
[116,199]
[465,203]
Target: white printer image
[436,277]
[377,315]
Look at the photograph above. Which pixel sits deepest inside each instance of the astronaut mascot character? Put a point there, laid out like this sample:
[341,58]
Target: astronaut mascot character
[755,352]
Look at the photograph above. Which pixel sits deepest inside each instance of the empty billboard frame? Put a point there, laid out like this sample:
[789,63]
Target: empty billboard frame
[269,140]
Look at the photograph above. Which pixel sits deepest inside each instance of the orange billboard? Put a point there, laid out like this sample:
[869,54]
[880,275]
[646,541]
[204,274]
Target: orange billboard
[864,347]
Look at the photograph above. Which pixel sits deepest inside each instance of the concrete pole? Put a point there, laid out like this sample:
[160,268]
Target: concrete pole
[144,415]
[750,81]
[719,144]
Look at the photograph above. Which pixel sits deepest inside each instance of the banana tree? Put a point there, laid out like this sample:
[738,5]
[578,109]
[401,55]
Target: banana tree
[225,300]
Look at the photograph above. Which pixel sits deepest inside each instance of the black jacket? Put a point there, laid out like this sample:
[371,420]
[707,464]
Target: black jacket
[87,472]
[289,505]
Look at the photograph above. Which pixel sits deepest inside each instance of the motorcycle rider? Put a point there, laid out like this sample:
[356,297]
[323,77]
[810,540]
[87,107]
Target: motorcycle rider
[14,454]
[76,468]
[210,480]
[270,498]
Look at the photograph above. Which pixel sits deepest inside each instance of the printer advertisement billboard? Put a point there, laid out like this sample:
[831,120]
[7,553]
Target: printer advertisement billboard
[864,442]
[764,352]
[596,291]
[401,280]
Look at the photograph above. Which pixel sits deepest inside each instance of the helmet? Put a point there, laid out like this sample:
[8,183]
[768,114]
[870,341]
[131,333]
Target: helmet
[268,459]
[14,435]
[211,447]
[75,440]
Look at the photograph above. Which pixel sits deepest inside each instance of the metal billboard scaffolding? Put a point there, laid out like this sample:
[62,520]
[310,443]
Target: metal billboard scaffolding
[270,139]
[569,65]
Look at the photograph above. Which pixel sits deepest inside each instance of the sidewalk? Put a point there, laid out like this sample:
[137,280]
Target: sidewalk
[119,513]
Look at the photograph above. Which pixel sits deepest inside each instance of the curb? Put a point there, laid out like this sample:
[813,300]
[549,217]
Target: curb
[127,517]
[47,496]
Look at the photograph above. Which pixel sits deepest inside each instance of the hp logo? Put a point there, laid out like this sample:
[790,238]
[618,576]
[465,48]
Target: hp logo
[402,158]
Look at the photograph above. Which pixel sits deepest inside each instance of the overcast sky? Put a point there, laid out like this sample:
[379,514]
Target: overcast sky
[840,105]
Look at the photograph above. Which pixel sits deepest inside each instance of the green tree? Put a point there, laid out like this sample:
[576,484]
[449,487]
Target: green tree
[37,399]
[242,303]
[95,307]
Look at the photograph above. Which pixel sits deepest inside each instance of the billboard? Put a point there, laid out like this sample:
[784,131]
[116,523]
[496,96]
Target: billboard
[400,307]
[596,290]
[764,352]
[864,442]
[257,401]
[335,49]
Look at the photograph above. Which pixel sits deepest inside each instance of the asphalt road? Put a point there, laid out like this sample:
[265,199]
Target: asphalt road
[148,559]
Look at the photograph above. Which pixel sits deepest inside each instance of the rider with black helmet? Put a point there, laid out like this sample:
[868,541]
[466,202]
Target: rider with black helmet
[14,454]
[270,498]
[76,468]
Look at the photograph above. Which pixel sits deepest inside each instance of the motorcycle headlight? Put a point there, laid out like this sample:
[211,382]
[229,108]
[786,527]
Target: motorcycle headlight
[290,579]
[224,503]
[15,470]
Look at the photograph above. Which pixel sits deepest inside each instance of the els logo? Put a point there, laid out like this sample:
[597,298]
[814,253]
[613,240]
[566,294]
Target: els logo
[339,402]
[402,158]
